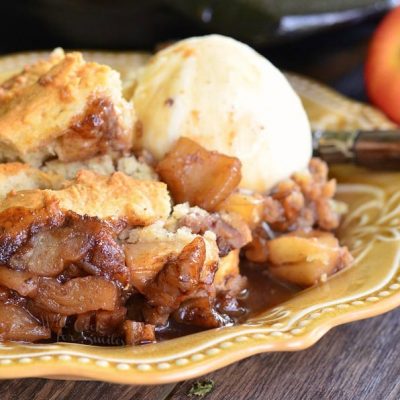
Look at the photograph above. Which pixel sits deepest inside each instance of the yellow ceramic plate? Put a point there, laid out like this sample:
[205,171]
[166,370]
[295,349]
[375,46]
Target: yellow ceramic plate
[371,229]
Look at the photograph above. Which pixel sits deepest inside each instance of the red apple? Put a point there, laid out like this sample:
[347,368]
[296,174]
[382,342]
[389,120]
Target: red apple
[382,69]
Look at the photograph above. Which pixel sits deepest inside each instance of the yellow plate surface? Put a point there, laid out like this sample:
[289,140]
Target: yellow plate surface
[371,229]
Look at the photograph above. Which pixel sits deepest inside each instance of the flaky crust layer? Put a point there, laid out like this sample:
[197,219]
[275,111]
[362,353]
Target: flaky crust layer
[18,176]
[117,196]
[45,101]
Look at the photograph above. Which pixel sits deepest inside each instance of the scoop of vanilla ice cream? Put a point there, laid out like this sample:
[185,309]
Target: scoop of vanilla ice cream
[224,95]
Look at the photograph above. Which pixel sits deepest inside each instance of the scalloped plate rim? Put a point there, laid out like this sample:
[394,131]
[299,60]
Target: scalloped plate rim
[58,369]
[70,361]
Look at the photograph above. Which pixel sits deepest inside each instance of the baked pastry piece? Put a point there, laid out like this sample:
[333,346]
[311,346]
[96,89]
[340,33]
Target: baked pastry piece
[116,196]
[105,165]
[17,82]
[78,257]
[18,176]
[148,248]
[63,107]
[173,290]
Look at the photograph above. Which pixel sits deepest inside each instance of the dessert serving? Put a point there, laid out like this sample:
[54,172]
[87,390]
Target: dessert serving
[191,204]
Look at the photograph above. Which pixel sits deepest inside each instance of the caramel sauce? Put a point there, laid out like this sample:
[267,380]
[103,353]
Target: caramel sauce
[95,132]
[263,292]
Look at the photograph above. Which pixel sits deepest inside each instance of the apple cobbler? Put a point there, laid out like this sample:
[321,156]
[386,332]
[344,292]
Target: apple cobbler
[101,237]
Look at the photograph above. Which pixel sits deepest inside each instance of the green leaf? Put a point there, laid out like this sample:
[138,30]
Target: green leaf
[201,388]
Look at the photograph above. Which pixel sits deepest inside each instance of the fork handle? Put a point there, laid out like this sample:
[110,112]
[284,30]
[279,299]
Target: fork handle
[373,149]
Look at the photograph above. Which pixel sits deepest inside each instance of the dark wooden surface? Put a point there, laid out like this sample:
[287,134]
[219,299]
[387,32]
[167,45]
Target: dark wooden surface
[357,361]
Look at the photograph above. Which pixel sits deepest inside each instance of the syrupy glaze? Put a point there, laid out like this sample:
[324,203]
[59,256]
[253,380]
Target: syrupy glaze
[263,292]
[95,132]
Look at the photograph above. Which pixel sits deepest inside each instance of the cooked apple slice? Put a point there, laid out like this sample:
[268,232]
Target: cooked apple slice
[305,258]
[202,178]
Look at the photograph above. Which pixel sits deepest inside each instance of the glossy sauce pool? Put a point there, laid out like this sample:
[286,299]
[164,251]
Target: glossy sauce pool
[263,292]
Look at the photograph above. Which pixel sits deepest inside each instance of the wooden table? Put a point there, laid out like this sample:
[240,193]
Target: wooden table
[357,361]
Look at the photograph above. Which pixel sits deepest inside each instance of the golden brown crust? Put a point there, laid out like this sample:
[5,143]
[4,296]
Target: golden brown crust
[36,109]
[18,176]
[29,75]
[116,196]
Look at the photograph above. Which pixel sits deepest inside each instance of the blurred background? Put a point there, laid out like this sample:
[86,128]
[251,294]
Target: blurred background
[325,39]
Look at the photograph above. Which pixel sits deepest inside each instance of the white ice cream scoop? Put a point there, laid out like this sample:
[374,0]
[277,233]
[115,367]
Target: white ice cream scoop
[227,97]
